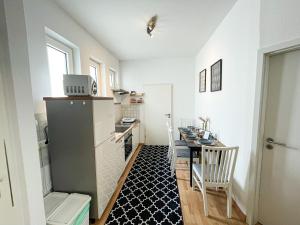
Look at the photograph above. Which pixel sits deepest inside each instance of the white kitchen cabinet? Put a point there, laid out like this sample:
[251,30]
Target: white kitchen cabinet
[104,120]
[110,164]
[135,136]
[120,158]
[106,172]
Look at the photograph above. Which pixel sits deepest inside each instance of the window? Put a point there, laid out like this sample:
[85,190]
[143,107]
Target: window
[60,61]
[112,79]
[95,73]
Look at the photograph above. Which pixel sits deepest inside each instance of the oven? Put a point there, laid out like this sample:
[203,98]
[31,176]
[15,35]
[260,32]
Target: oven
[128,144]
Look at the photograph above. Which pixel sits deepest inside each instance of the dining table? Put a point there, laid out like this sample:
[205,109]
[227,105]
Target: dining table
[194,146]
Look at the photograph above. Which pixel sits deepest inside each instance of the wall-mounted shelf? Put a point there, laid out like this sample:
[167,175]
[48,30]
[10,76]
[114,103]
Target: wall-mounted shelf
[120,91]
[136,98]
[137,95]
[136,101]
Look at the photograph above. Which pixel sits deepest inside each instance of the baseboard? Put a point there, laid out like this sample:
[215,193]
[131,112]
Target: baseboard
[241,214]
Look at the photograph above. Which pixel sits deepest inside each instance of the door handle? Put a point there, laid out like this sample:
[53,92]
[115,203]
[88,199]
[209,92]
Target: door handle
[8,172]
[271,141]
[168,115]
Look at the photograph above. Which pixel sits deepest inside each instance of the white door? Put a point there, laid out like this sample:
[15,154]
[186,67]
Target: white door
[280,176]
[9,212]
[6,197]
[158,103]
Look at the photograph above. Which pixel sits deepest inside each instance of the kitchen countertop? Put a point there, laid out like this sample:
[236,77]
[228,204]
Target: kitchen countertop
[77,98]
[120,135]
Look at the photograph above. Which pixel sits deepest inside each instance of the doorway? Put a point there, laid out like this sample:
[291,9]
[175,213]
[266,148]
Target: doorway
[280,165]
[158,104]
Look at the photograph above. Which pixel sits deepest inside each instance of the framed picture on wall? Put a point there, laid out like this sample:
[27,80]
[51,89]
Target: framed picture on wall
[202,81]
[216,76]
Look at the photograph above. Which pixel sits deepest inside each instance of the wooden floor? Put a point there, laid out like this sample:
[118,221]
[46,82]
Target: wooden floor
[191,201]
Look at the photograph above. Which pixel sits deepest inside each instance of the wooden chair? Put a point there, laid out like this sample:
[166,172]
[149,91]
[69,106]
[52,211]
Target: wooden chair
[177,142]
[216,170]
[170,150]
[179,152]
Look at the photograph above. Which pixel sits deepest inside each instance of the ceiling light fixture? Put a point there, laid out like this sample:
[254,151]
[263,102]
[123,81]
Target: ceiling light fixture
[151,25]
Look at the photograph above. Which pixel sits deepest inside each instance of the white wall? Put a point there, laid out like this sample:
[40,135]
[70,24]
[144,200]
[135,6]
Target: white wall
[236,41]
[44,13]
[280,21]
[176,71]
[279,28]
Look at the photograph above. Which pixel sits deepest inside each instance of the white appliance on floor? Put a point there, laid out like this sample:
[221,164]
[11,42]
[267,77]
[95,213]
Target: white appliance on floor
[67,209]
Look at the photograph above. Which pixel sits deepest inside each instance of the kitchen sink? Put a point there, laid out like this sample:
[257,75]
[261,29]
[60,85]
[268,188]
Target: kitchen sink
[121,128]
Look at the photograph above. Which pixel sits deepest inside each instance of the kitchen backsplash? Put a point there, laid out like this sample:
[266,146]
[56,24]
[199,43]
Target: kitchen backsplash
[131,110]
[118,112]
[41,123]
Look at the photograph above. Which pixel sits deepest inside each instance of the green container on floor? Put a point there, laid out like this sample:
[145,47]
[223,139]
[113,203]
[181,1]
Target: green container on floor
[67,209]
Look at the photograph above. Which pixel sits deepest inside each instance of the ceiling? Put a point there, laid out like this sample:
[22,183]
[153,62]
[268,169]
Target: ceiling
[183,26]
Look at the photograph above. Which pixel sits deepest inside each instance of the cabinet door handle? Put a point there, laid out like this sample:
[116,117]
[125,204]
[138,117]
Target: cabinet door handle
[8,172]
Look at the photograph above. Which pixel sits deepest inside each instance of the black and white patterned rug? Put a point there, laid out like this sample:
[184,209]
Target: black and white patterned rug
[149,194]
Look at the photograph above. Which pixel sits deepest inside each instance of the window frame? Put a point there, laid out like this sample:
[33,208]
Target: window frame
[97,66]
[115,81]
[59,46]
[99,74]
